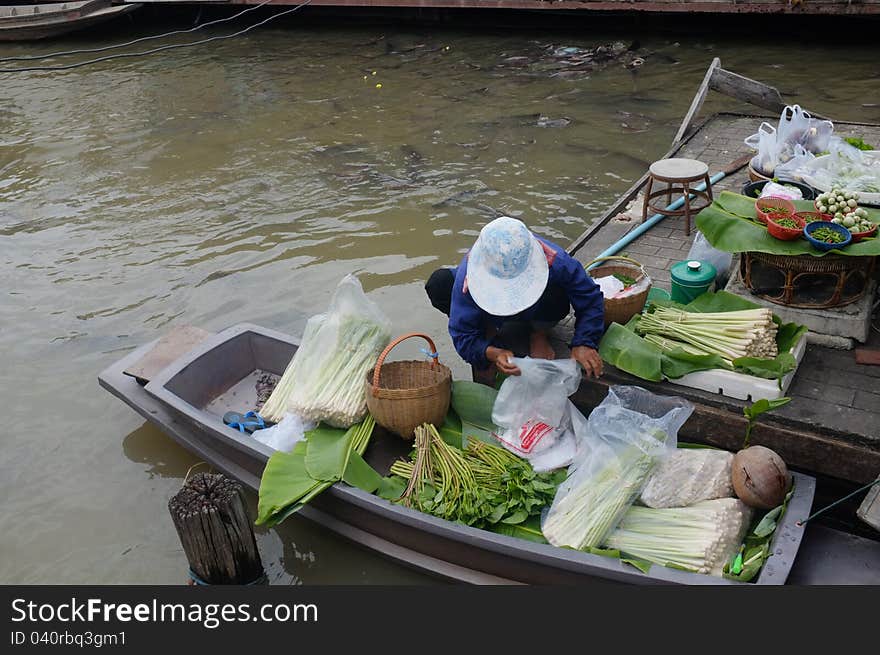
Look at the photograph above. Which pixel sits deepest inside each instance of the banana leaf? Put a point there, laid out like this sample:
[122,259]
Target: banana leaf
[729,224]
[624,349]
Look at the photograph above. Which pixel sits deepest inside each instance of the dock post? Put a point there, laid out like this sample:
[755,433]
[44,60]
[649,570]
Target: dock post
[216,532]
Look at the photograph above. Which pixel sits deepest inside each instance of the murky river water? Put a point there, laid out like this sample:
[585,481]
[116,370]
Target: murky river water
[239,182]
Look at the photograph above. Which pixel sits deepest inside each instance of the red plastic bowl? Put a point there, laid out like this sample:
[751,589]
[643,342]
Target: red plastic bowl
[858,236]
[785,233]
[771,204]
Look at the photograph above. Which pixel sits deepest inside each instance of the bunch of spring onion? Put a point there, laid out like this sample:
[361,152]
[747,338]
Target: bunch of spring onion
[480,485]
[730,335]
[325,379]
[588,506]
[699,538]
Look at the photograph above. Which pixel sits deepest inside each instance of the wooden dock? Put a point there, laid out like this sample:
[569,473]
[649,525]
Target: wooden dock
[779,7]
[830,426]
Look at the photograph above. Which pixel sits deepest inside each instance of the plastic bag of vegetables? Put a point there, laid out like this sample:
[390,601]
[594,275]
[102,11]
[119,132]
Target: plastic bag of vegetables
[325,379]
[627,434]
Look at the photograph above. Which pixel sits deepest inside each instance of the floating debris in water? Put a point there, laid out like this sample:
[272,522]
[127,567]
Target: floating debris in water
[571,61]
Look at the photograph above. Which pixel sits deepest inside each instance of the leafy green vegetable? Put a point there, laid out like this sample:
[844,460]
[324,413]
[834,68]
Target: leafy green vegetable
[857,142]
[753,411]
[757,543]
[482,485]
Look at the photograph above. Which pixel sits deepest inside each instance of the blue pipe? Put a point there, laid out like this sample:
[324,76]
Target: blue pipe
[632,235]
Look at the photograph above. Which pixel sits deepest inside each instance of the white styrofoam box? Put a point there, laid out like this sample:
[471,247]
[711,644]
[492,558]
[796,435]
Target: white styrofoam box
[740,385]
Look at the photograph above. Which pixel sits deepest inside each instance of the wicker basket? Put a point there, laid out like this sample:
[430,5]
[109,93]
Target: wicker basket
[403,395]
[805,281]
[620,310]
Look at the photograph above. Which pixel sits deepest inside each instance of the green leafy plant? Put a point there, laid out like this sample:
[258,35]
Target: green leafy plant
[753,411]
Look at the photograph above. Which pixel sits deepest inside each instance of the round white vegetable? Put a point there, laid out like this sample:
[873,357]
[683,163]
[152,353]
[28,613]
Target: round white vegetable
[851,203]
[848,222]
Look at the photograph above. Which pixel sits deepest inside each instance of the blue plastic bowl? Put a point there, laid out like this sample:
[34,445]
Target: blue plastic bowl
[821,245]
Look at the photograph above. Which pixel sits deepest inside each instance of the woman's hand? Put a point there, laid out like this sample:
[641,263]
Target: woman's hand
[501,358]
[589,359]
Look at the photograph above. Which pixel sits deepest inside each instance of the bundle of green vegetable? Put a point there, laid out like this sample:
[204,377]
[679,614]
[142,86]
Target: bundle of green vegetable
[582,515]
[325,379]
[700,538]
[730,335]
[843,206]
[481,486]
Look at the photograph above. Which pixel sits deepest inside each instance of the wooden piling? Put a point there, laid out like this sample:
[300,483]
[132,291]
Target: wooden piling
[215,531]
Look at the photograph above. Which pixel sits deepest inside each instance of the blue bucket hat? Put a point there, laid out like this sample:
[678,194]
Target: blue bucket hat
[507,269]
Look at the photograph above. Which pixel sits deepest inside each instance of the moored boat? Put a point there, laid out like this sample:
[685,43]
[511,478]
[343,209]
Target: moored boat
[42,21]
[188,397]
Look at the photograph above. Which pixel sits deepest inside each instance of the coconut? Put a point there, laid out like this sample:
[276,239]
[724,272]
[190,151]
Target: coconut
[760,477]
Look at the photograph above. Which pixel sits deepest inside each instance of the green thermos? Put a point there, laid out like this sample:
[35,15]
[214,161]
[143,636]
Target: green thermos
[690,279]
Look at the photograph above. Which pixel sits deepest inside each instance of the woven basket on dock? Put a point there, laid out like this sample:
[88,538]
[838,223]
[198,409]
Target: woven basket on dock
[403,395]
[805,281]
[620,310]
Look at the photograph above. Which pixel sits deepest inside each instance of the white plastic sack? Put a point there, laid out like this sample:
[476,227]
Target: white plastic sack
[533,413]
[284,435]
[764,141]
[609,285]
[703,251]
[627,434]
[325,379]
[793,169]
[846,167]
[776,190]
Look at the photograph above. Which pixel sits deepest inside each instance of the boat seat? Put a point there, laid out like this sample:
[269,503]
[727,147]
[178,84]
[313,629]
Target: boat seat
[677,175]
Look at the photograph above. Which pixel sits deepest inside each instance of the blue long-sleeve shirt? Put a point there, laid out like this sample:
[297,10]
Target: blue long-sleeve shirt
[468,323]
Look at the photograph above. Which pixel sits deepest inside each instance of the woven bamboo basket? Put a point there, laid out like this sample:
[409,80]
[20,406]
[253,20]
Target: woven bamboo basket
[403,395]
[620,310]
[805,281]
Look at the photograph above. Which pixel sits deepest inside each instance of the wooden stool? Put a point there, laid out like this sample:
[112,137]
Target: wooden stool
[678,174]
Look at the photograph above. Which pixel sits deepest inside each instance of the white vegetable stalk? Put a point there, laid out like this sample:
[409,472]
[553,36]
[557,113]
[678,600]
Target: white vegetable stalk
[730,335]
[591,507]
[327,384]
[700,538]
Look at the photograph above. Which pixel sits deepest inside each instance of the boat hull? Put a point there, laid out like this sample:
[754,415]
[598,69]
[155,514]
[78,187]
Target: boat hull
[48,24]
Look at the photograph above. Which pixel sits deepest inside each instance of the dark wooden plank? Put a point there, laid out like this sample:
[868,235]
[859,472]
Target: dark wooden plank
[697,102]
[179,341]
[747,90]
[868,356]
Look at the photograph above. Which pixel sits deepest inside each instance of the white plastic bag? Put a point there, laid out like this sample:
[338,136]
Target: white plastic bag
[793,129]
[284,435]
[793,169]
[533,413]
[764,141]
[627,433]
[846,167]
[702,250]
[325,379]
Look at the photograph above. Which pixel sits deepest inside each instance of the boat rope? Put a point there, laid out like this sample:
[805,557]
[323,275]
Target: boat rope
[66,53]
[159,49]
[837,502]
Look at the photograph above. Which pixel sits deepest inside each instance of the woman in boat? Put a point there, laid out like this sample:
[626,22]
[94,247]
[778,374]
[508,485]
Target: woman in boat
[512,277]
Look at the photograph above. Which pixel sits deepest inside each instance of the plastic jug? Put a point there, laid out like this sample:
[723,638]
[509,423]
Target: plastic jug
[690,279]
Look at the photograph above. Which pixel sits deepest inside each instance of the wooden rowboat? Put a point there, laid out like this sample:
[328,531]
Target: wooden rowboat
[42,21]
[188,396]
